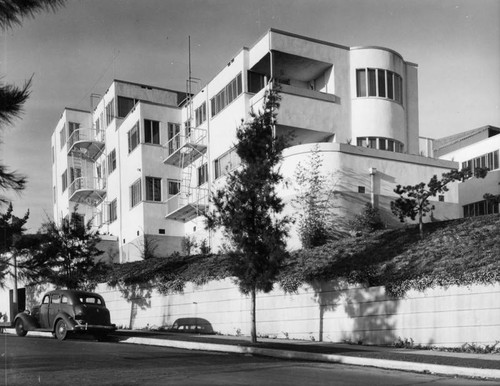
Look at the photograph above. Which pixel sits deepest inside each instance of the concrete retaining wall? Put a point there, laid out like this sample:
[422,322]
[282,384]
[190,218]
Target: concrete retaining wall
[441,316]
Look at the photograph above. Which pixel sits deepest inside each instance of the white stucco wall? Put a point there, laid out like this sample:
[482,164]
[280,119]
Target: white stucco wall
[440,316]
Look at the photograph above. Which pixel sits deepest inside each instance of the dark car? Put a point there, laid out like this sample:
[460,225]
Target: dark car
[65,311]
[192,325]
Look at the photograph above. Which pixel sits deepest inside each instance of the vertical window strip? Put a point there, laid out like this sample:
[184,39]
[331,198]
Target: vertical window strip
[135,193]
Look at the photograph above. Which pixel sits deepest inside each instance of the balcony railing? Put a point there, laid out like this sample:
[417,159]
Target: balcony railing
[89,190]
[181,150]
[88,141]
[191,202]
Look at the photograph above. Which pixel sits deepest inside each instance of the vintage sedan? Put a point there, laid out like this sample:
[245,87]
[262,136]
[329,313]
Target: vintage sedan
[67,311]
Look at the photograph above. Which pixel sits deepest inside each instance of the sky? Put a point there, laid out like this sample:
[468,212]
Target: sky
[81,48]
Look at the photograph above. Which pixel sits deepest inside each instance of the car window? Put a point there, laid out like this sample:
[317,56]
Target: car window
[56,299]
[45,299]
[90,300]
[65,300]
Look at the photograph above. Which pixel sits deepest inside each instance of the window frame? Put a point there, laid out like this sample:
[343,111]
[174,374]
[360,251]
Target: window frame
[155,184]
[152,132]
[135,191]
[111,161]
[134,137]
[203,174]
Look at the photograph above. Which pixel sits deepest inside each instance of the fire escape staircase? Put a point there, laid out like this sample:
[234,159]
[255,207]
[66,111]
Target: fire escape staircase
[182,151]
[85,146]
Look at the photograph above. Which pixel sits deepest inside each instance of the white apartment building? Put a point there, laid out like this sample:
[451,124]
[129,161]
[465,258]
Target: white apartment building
[142,161]
[472,149]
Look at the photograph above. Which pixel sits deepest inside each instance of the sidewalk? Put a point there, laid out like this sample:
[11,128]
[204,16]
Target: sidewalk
[425,361]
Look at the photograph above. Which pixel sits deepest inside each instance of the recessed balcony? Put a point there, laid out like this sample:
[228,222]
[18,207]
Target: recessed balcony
[182,150]
[88,190]
[187,204]
[88,142]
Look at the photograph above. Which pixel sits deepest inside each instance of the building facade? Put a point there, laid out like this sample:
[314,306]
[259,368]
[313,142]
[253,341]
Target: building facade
[477,148]
[142,162]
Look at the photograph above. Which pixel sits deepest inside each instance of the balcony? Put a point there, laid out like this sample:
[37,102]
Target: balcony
[187,204]
[182,150]
[88,190]
[88,142]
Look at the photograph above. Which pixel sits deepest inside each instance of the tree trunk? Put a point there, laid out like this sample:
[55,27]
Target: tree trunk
[420,225]
[253,330]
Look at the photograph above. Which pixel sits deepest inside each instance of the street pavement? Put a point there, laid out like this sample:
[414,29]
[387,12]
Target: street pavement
[420,361]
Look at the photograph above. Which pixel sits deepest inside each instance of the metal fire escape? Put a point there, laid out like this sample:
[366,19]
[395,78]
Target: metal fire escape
[86,185]
[187,150]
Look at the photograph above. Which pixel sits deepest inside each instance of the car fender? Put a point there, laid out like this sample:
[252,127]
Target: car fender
[70,322]
[29,322]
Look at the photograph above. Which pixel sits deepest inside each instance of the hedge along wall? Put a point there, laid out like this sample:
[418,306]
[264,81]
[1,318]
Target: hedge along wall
[441,316]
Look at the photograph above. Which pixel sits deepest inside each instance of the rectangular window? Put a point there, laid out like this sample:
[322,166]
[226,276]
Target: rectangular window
[151,132]
[225,163]
[382,144]
[112,211]
[390,145]
[133,137]
[135,193]
[174,140]
[226,95]
[390,86]
[110,112]
[200,114]
[62,136]
[112,161]
[125,105]
[372,143]
[495,164]
[381,83]
[174,187]
[64,181]
[73,131]
[153,189]
[398,89]
[256,81]
[361,142]
[372,83]
[202,174]
[361,82]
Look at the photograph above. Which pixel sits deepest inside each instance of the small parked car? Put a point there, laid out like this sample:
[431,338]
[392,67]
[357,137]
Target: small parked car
[65,311]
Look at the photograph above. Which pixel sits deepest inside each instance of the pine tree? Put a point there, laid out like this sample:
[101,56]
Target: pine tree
[12,98]
[65,255]
[414,201]
[248,208]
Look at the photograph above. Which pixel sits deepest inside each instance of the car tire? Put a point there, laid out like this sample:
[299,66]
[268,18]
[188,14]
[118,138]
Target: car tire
[61,330]
[20,330]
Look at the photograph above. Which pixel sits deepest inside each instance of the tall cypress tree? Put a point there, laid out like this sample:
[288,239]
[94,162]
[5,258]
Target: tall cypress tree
[248,209]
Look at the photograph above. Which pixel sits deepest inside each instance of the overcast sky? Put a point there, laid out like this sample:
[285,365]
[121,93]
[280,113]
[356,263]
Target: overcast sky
[81,48]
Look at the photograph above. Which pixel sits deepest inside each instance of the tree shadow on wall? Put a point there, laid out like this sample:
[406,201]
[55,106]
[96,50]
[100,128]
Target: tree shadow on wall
[374,316]
[327,295]
[138,296]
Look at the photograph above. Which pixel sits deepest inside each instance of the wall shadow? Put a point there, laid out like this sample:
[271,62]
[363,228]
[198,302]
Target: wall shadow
[138,296]
[373,313]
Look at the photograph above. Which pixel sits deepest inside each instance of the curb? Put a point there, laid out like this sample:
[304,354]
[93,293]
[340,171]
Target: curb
[416,367]
[317,357]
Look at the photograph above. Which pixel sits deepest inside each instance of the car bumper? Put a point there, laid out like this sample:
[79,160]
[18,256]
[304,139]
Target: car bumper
[94,327]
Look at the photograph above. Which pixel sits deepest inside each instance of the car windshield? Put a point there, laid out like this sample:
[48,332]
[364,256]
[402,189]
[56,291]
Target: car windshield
[90,300]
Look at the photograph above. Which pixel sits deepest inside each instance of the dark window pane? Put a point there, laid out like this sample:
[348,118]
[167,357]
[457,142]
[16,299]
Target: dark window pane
[372,83]
[124,106]
[390,91]
[381,83]
[361,83]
